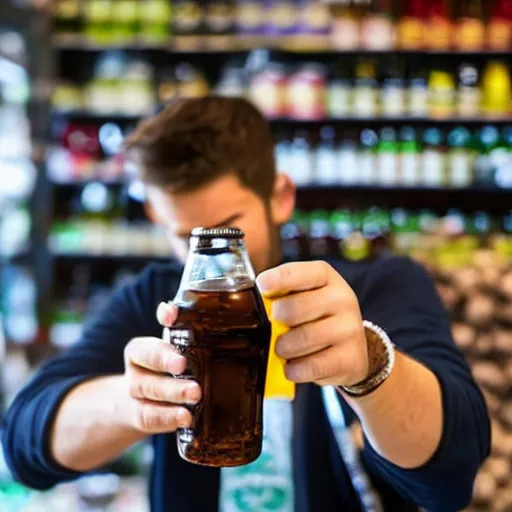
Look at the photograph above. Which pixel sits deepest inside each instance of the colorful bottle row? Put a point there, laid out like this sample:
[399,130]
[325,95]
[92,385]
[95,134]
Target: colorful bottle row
[349,88]
[346,24]
[398,157]
[359,234]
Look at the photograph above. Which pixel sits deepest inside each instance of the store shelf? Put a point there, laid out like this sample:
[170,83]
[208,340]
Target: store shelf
[302,44]
[101,257]
[84,115]
[435,198]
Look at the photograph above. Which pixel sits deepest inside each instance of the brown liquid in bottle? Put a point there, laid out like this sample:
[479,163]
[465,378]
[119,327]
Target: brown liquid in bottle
[227,337]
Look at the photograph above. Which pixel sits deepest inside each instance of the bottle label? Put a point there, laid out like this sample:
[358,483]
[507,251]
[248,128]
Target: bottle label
[410,169]
[460,168]
[433,167]
[339,100]
[365,101]
[345,34]
[250,15]
[348,169]
[326,166]
[393,101]
[388,168]
[265,485]
[418,101]
[367,164]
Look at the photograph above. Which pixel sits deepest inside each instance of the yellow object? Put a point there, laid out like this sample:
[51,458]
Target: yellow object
[276,385]
[497,89]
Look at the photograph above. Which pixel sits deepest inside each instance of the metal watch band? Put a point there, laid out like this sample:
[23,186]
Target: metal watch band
[374,381]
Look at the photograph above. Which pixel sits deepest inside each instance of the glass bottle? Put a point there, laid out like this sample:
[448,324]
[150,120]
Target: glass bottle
[409,157]
[365,92]
[345,25]
[387,157]
[439,24]
[434,161]
[469,97]
[499,28]
[460,158]
[377,28]
[223,331]
[411,27]
[469,31]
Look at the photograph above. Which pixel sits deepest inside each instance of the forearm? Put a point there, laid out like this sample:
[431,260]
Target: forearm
[403,418]
[89,428]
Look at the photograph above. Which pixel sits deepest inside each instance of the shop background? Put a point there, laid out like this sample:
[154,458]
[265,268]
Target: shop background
[392,116]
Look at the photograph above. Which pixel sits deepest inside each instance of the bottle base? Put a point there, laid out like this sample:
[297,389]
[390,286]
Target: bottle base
[226,452]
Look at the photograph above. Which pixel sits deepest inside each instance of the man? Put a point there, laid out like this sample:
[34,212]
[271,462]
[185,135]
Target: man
[210,162]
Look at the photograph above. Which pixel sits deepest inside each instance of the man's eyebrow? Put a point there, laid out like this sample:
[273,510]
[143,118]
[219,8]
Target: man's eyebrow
[226,222]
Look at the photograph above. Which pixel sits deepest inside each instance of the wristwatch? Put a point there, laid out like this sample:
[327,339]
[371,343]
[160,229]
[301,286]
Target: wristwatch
[381,355]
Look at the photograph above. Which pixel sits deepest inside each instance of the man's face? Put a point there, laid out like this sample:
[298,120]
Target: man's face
[223,203]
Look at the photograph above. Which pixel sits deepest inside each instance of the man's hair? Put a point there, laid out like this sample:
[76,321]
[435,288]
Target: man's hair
[194,141]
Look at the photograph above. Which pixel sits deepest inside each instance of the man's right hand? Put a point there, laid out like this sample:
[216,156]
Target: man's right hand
[155,396]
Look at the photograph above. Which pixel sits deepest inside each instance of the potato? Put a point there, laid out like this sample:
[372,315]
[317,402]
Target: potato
[480,309]
[491,376]
[492,401]
[503,341]
[503,500]
[504,313]
[449,296]
[491,277]
[506,284]
[499,467]
[506,414]
[484,344]
[499,439]
[466,280]
[508,370]
[484,258]
[484,488]
[463,334]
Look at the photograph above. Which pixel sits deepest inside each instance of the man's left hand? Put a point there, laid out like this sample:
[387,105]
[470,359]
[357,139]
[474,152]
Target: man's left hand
[326,343]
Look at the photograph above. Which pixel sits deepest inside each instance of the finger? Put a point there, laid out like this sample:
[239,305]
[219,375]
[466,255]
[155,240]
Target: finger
[293,277]
[155,418]
[166,314]
[300,308]
[162,388]
[156,355]
[310,338]
[326,364]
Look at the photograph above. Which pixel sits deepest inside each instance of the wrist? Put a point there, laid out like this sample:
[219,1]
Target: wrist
[381,360]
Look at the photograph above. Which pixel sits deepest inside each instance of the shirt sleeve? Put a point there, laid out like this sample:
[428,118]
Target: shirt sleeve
[28,422]
[399,296]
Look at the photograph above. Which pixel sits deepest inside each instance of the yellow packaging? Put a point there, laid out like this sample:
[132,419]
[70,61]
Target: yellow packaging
[276,385]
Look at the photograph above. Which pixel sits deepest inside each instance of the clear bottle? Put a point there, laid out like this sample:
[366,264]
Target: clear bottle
[434,158]
[387,154]
[365,93]
[326,164]
[367,157]
[460,158]
[223,331]
[410,175]
[469,97]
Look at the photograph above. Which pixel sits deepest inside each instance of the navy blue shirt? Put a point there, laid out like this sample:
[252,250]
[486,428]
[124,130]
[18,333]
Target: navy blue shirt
[394,293]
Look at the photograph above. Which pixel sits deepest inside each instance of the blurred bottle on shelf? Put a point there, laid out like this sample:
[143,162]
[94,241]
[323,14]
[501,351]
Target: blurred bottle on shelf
[499,29]
[388,157]
[326,161]
[66,17]
[345,31]
[306,93]
[314,18]
[461,156]
[339,92]
[249,17]
[393,89]
[439,25]
[154,19]
[367,157]
[417,93]
[188,19]
[268,90]
[301,160]
[378,28]
[281,18]
[220,19]
[434,158]
[319,234]
[97,19]
[409,154]
[411,25]
[469,97]
[125,20]
[503,175]
[348,161]
[469,30]
[488,139]
[441,94]
[232,83]
[497,89]
[365,93]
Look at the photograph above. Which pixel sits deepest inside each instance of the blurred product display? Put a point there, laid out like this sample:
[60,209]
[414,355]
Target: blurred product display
[377,25]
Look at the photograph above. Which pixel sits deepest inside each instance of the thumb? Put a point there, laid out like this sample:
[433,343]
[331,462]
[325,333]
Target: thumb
[166,314]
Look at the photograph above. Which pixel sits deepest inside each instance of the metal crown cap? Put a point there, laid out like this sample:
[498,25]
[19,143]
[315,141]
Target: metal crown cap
[217,233]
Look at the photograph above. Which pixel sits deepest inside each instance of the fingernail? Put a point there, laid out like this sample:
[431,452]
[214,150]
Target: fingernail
[166,313]
[192,393]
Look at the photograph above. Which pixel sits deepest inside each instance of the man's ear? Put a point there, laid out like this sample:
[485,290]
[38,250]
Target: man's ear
[282,202]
